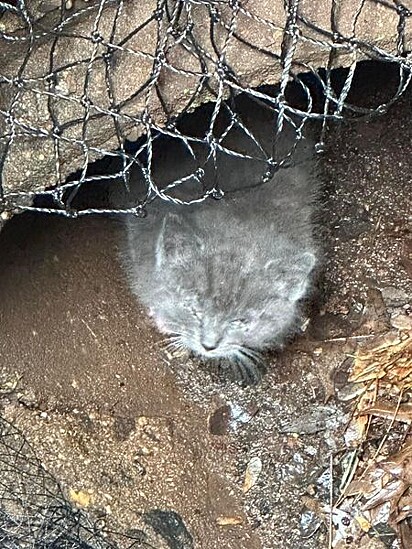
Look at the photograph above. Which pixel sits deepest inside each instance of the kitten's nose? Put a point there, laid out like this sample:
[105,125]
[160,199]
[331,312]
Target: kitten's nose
[209,339]
[208,346]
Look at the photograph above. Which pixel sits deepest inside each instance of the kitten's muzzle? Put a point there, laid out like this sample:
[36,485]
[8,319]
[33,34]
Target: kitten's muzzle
[210,343]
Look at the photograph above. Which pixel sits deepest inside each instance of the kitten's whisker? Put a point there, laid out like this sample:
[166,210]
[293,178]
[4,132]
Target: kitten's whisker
[237,369]
[251,354]
[171,345]
[185,336]
[249,365]
[177,336]
[175,343]
[168,341]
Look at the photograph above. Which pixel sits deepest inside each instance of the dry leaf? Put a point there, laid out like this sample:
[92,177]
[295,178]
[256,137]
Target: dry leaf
[402,322]
[382,492]
[80,498]
[388,356]
[385,481]
[402,412]
[253,470]
[363,523]
[229,521]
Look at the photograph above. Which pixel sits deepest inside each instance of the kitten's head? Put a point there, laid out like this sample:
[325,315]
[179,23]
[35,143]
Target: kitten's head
[226,299]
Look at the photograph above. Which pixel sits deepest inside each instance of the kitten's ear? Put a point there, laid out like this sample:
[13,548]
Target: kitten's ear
[295,279]
[176,239]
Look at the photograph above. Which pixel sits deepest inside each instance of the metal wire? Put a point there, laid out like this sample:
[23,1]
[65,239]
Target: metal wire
[174,23]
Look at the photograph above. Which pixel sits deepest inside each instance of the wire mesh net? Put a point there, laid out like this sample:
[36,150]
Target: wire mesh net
[34,512]
[85,80]
[79,79]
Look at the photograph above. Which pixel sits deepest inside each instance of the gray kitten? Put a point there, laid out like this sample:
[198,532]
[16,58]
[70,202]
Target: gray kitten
[224,278]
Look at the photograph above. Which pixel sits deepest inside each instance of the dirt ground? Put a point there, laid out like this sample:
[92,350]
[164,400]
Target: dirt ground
[129,432]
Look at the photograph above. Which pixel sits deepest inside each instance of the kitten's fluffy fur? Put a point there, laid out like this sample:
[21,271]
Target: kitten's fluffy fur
[225,278]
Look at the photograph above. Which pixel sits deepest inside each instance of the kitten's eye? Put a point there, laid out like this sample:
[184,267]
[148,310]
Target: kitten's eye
[188,304]
[193,311]
[196,314]
[238,322]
